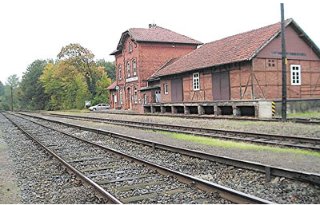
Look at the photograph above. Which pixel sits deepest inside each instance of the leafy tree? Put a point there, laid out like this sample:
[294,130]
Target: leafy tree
[102,94]
[109,67]
[65,85]
[1,89]
[11,92]
[32,92]
[82,59]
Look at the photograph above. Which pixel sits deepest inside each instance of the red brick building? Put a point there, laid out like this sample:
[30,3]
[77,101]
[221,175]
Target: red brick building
[243,68]
[139,54]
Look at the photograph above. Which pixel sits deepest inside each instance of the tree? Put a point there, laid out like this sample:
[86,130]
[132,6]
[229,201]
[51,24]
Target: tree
[1,89]
[65,85]
[32,92]
[12,83]
[102,94]
[82,59]
[109,67]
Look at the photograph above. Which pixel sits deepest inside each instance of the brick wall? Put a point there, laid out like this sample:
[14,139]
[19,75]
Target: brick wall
[149,58]
[266,80]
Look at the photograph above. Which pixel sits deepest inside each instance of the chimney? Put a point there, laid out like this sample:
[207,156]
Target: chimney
[152,25]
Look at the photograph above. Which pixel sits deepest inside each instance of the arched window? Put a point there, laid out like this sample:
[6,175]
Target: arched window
[134,67]
[119,72]
[128,69]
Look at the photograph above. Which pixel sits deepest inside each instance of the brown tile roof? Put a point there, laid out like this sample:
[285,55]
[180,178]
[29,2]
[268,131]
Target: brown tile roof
[155,34]
[237,48]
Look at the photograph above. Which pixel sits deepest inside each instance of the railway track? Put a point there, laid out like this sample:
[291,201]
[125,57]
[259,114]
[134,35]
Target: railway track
[116,140]
[313,121]
[299,142]
[121,178]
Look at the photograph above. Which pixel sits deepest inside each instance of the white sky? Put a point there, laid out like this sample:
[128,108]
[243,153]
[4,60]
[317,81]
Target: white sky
[37,29]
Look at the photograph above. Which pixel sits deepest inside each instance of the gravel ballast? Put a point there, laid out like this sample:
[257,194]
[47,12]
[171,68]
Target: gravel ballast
[40,178]
[279,128]
[280,190]
[293,161]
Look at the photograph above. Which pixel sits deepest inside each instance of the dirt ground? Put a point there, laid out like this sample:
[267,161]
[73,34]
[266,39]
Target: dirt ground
[9,191]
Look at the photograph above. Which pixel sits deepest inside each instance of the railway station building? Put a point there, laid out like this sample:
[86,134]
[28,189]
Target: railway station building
[140,53]
[236,75]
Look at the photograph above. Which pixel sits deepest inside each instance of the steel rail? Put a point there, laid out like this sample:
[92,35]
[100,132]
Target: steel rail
[99,190]
[312,121]
[208,132]
[224,192]
[268,170]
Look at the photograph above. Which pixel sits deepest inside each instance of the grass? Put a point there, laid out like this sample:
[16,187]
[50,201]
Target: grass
[305,115]
[237,145]
[73,111]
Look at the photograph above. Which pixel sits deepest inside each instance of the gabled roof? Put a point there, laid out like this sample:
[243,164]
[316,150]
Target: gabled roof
[237,48]
[155,34]
[112,86]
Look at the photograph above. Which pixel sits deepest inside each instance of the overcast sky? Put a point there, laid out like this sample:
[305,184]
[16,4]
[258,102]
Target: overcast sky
[38,29]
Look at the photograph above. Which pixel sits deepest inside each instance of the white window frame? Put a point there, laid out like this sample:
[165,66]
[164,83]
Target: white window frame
[196,81]
[295,71]
[165,88]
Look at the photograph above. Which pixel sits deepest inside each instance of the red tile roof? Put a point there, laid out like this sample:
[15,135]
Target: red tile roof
[237,48]
[112,86]
[159,34]
[155,34]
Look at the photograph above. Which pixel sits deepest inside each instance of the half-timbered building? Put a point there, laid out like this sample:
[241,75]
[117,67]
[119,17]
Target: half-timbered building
[237,74]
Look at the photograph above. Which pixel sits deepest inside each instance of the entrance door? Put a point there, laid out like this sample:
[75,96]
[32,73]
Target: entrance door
[115,100]
[176,90]
[158,96]
[129,104]
[221,86]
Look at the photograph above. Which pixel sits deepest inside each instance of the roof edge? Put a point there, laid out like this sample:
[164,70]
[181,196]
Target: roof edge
[288,21]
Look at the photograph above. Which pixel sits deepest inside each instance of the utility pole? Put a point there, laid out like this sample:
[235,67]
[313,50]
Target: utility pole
[284,68]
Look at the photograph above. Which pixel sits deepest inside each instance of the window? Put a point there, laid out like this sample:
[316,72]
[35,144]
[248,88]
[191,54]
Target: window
[145,99]
[128,69]
[165,88]
[120,96]
[271,63]
[135,95]
[120,72]
[295,74]
[134,67]
[130,47]
[196,81]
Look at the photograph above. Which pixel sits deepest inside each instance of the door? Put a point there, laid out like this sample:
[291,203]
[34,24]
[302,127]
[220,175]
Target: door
[176,90]
[221,86]
[114,101]
[158,96]
[129,100]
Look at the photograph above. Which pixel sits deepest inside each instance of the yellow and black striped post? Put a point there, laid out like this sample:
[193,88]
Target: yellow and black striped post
[273,107]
